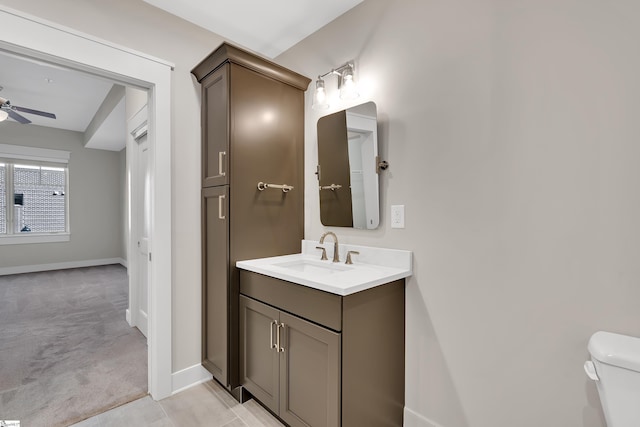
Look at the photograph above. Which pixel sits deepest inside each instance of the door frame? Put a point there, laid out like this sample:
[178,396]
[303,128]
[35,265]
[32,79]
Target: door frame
[34,37]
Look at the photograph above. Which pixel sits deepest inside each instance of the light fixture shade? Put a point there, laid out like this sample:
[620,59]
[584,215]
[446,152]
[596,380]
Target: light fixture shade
[320,101]
[3,115]
[348,86]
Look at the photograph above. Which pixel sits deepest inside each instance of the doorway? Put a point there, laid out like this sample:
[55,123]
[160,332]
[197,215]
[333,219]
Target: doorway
[140,230]
[45,41]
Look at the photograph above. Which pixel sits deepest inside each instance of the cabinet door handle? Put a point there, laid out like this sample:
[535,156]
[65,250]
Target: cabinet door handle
[221,154]
[271,325]
[280,348]
[220,207]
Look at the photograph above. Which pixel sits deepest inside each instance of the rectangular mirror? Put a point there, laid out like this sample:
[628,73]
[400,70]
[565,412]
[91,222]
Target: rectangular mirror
[347,168]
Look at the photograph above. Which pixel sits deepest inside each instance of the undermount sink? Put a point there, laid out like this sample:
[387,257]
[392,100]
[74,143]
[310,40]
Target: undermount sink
[313,267]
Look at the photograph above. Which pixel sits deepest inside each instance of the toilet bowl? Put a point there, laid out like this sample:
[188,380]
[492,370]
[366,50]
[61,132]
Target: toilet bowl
[615,366]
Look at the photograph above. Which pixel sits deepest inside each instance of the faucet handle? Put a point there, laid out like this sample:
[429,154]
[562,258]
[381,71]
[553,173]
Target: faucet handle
[348,261]
[324,253]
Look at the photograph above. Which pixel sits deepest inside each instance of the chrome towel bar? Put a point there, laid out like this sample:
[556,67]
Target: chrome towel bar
[284,187]
[332,187]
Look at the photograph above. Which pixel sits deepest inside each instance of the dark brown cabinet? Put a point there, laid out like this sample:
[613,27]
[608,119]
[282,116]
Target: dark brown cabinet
[323,360]
[259,360]
[216,292]
[297,375]
[252,131]
[215,127]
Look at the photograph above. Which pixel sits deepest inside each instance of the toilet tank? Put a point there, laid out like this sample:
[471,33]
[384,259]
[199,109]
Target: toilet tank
[616,359]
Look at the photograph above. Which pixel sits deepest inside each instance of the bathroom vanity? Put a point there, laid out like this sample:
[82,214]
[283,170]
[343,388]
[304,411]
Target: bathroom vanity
[317,342]
[322,343]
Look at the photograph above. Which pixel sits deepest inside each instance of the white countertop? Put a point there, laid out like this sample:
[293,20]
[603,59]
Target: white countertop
[371,268]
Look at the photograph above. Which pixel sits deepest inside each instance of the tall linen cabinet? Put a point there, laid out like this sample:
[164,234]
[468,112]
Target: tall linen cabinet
[252,132]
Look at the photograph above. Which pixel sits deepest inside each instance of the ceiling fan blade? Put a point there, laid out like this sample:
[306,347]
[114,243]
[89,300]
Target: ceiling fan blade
[30,111]
[18,118]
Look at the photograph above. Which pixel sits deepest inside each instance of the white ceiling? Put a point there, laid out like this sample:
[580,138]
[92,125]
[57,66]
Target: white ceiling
[74,97]
[267,27]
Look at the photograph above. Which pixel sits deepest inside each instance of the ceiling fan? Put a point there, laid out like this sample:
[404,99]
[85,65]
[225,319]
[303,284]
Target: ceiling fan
[12,111]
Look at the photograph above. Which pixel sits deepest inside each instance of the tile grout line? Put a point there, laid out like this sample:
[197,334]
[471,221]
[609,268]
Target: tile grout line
[159,402]
[233,420]
[219,393]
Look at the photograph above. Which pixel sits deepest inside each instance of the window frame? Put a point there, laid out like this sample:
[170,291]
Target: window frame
[12,155]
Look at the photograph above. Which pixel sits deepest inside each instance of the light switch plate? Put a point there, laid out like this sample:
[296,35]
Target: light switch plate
[397,216]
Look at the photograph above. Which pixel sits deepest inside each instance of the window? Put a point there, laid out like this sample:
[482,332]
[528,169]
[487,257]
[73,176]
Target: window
[34,195]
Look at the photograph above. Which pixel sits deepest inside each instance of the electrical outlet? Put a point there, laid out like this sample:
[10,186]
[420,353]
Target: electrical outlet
[397,216]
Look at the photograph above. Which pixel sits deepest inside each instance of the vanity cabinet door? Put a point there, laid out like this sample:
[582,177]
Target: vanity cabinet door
[215,275]
[259,358]
[309,374]
[215,128]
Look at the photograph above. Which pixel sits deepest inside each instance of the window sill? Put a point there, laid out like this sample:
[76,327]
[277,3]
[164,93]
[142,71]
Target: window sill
[20,239]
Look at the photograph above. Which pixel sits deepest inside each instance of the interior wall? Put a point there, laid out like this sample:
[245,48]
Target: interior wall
[94,200]
[155,32]
[512,137]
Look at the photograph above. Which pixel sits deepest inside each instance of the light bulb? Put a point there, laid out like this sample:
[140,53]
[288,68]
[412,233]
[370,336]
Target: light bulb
[320,96]
[348,87]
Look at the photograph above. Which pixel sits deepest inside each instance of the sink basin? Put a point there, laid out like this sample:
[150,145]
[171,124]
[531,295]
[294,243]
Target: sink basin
[312,267]
[371,267]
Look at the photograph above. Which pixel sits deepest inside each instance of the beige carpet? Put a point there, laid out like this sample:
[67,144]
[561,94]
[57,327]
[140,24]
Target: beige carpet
[66,350]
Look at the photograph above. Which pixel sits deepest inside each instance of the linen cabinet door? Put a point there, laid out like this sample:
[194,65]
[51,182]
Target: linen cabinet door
[259,366]
[215,128]
[309,373]
[215,289]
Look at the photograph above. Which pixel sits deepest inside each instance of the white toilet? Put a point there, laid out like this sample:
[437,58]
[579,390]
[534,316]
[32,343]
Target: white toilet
[615,366]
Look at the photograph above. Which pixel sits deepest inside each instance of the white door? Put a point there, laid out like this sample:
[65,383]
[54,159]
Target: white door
[140,210]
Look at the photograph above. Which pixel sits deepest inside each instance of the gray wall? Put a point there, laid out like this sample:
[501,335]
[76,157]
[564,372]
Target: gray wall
[512,133]
[95,201]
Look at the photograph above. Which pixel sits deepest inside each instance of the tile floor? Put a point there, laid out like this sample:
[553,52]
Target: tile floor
[206,404]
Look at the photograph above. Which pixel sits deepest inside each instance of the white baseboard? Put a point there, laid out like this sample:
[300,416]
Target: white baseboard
[413,419]
[59,266]
[189,377]
[127,316]
[123,262]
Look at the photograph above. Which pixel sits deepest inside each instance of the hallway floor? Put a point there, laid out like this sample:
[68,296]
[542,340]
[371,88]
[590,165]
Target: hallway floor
[206,404]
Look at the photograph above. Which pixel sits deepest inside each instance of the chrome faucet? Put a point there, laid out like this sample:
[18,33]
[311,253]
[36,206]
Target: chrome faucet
[336,257]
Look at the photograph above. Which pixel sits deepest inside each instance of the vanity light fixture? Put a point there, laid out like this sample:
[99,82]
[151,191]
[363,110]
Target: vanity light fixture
[346,84]
[320,101]
[348,87]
